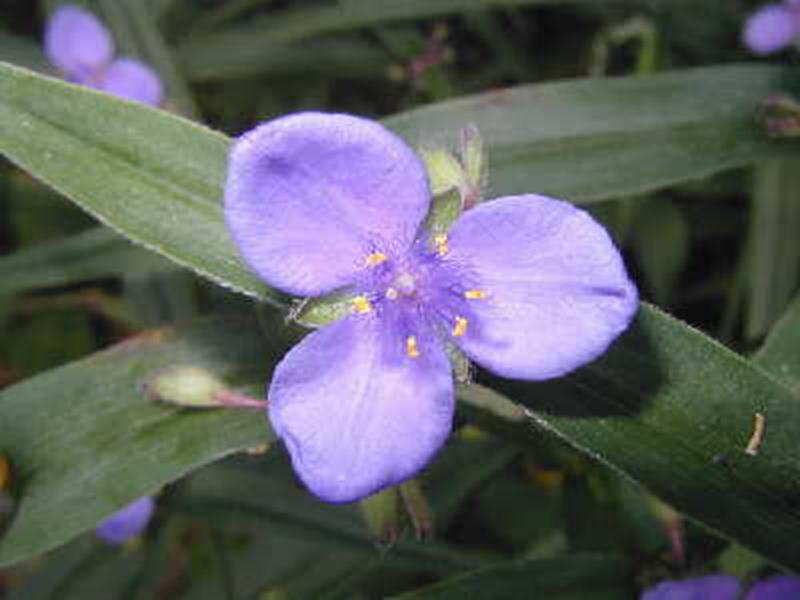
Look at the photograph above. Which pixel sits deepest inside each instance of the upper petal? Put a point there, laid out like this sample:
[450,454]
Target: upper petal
[77,42]
[779,587]
[771,28]
[127,522]
[131,79]
[357,414]
[556,290]
[310,195]
[713,587]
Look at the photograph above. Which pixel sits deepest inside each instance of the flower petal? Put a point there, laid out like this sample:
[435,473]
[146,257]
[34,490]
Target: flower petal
[771,28]
[779,587]
[128,522]
[713,587]
[357,414]
[133,80]
[310,195]
[557,293]
[77,43]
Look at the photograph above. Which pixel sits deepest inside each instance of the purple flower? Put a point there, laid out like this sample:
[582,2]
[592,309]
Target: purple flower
[724,587]
[128,522]
[779,587]
[527,286]
[772,27]
[712,587]
[81,47]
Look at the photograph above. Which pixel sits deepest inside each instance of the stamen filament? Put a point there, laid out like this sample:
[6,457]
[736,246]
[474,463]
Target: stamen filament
[361,305]
[460,327]
[475,295]
[411,347]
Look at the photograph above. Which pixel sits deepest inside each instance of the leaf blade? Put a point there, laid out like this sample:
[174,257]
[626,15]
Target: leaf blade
[70,432]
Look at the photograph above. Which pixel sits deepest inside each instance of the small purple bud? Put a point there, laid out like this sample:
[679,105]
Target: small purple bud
[772,28]
[126,523]
[81,47]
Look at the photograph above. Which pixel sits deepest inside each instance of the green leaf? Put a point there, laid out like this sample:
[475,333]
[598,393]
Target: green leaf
[773,256]
[148,174]
[71,432]
[241,50]
[94,254]
[158,178]
[780,354]
[596,139]
[674,410]
[574,577]
[661,239]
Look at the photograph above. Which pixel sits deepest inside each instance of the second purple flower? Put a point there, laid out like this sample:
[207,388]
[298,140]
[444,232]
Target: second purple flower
[82,48]
[527,286]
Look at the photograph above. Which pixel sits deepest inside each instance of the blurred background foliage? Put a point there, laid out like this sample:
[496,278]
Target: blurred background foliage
[528,518]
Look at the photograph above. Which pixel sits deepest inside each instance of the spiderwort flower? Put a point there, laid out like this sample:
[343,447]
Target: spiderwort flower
[773,27]
[127,522]
[711,587]
[82,48]
[527,286]
[724,587]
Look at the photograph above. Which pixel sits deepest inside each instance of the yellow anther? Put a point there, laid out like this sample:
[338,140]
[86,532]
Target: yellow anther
[392,293]
[474,294]
[411,347]
[441,243]
[460,328]
[5,472]
[361,305]
[375,258]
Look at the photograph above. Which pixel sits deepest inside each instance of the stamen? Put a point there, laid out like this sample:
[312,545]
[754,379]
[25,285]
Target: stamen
[475,295]
[392,293]
[375,258]
[411,347]
[460,327]
[441,243]
[361,305]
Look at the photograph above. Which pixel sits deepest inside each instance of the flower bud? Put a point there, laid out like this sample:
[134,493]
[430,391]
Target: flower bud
[187,386]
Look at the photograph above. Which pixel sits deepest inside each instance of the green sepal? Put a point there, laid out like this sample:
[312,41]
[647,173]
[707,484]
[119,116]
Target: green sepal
[445,172]
[461,365]
[456,180]
[475,164]
[444,210]
[418,509]
[381,513]
[321,310]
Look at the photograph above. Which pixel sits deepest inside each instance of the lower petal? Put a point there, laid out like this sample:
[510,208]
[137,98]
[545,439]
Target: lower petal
[553,292]
[133,80]
[355,415]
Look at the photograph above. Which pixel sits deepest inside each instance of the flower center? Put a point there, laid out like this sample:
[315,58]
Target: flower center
[405,283]
[420,293]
